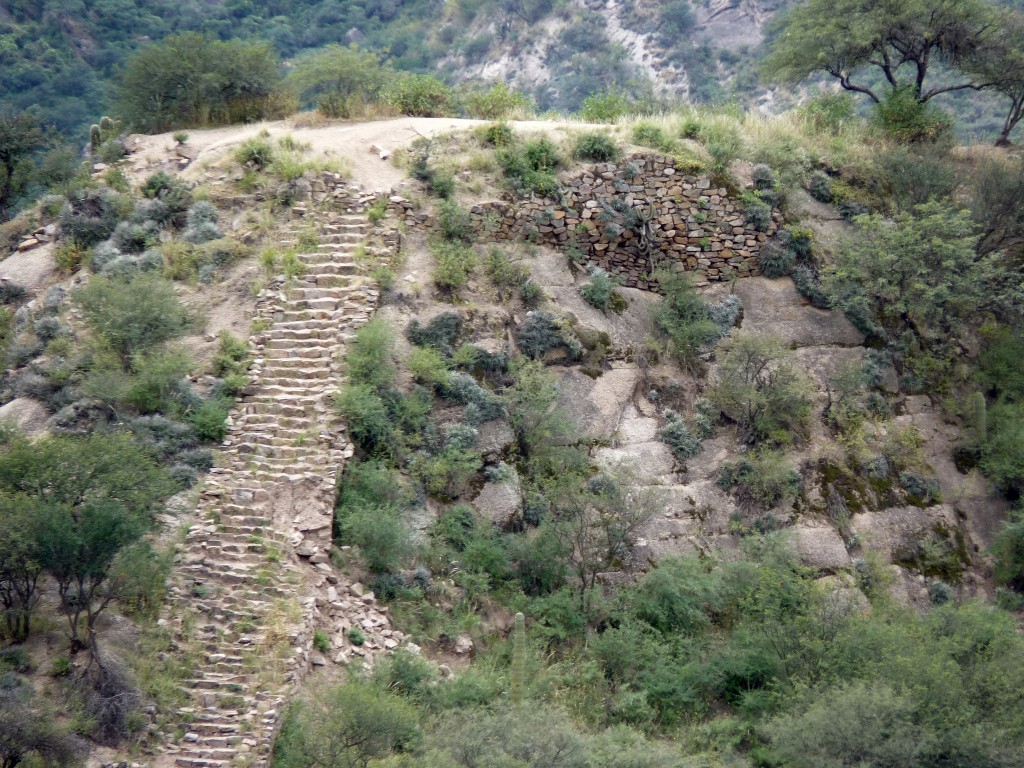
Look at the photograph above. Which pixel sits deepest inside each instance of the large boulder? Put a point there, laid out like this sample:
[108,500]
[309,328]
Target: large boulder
[820,547]
[28,415]
[501,500]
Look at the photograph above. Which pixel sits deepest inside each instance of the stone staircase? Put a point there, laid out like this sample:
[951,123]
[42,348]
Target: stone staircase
[254,581]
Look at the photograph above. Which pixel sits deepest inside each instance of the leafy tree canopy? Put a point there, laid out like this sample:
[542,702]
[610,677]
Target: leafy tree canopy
[901,39]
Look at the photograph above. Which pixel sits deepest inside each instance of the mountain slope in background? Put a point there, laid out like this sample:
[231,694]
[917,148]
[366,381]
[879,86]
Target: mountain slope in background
[61,57]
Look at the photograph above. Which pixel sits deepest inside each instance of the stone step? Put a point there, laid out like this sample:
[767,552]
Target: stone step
[284,432]
[237,686]
[186,761]
[214,754]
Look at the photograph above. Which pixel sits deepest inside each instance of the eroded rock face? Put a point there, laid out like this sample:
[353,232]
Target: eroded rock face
[910,534]
[774,307]
[596,405]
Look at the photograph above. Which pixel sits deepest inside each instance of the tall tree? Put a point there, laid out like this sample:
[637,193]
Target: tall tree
[20,563]
[92,498]
[900,39]
[341,80]
[79,549]
[921,273]
[192,80]
[22,137]
[1000,64]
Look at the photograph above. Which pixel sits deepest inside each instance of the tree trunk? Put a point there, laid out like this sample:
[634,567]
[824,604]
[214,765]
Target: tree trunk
[1014,117]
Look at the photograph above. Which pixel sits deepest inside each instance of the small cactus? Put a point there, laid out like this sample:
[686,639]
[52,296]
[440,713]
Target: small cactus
[95,136]
[518,659]
[106,124]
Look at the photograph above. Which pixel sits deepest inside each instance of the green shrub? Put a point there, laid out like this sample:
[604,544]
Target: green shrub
[68,257]
[455,527]
[419,96]
[257,151]
[90,216]
[821,187]
[531,293]
[347,726]
[1001,457]
[599,291]
[829,111]
[999,370]
[134,315]
[497,102]
[11,292]
[539,334]
[382,538]
[428,367]
[922,490]
[541,155]
[904,118]
[455,222]
[231,355]
[723,141]
[917,176]
[366,416]
[15,659]
[355,636]
[651,135]
[757,212]
[157,377]
[341,80]
[507,275]
[1008,551]
[776,260]
[482,404]
[376,212]
[498,134]
[209,419]
[442,185]
[678,437]
[597,146]
[808,285]
[764,479]
[454,265]
[763,177]
[370,360]
[760,389]
[446,475]
[685,318]
[531,167]
[440,333]
[605,107]
[321,641]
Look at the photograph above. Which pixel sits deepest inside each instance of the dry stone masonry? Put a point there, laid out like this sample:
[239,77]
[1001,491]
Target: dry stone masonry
[255,581]
[631,218]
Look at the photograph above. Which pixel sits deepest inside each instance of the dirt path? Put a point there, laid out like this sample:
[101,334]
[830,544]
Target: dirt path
[350,141]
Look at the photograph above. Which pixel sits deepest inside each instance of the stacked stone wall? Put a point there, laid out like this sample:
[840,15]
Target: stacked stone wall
[630,218]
